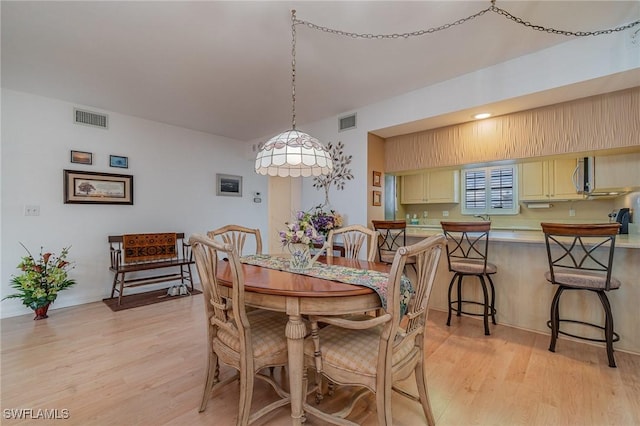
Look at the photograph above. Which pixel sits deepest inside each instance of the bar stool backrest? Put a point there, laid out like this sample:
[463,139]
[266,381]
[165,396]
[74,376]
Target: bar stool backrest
[467,242]
[581,248]
[392,236]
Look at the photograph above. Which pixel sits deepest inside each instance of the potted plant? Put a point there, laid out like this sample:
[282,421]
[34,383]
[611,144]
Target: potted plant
[41,280]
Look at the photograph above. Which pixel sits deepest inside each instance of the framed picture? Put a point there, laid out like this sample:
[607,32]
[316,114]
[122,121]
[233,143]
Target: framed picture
[119,161]
[229,185]
[377,178]
[97,188]
[377,198]
[81,157]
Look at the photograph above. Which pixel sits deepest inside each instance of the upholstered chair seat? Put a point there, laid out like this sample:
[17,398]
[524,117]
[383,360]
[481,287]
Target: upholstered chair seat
[583,279]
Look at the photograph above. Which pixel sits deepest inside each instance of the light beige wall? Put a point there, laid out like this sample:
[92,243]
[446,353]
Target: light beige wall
[375,161]
[585,125]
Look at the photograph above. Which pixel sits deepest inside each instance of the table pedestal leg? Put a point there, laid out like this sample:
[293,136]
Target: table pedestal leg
[295,333]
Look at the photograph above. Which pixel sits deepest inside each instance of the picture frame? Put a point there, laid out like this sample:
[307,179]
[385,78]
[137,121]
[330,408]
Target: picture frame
[377,198]
[119,161]
[82,157]
[228,185]
[82,187]
[377,178]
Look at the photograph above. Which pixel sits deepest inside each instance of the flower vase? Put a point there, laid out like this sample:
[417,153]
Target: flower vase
[300,257]
[41,312]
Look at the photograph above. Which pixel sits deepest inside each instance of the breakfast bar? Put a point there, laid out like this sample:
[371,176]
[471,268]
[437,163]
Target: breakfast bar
[523,295]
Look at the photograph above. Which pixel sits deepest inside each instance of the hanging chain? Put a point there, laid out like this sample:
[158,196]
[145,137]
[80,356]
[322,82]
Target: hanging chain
[492,8]
[293,69]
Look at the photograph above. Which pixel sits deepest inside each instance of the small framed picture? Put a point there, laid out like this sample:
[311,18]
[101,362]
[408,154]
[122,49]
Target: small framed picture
[228,185]
[119,161]
[377,178]
[81,157]
[377,198]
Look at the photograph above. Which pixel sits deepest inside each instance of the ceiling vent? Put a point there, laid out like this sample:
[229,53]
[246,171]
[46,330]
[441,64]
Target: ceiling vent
[347,122]
[89,118]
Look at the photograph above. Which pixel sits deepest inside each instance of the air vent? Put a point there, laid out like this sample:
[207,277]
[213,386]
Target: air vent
[347,122]
[89,118]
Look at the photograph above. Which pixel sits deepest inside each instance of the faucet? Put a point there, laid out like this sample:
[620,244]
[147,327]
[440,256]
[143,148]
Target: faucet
[484,217]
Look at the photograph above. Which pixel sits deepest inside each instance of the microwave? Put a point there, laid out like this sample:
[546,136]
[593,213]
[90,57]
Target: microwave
[585,181]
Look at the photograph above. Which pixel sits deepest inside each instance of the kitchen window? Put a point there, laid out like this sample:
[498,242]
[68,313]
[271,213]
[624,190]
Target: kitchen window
[490,190]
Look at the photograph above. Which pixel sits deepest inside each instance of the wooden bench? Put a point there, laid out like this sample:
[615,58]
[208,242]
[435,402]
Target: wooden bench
[144,252]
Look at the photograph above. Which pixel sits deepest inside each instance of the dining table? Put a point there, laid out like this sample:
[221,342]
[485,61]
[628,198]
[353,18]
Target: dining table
[298,294]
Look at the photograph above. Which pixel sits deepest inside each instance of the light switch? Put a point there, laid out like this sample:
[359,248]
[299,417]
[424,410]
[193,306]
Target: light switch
[31,210]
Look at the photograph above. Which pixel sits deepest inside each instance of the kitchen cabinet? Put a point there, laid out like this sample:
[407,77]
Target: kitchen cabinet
[617,172]
[432,187]
[548,180]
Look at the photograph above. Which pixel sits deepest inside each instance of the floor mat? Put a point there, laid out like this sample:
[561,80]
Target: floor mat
[143,299]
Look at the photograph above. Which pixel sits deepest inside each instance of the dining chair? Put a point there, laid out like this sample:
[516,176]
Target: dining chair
[374,353]
[467,249]
[353,239]
[237,235]
[581,258]
[247,341]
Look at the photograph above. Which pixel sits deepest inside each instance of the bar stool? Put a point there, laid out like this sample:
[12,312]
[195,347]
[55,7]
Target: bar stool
[467,246]
[581,258]
[393,235]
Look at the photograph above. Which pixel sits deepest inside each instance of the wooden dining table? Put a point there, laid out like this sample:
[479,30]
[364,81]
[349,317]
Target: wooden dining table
[296,295]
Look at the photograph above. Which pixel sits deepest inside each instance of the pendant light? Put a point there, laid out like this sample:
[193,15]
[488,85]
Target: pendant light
[293,153]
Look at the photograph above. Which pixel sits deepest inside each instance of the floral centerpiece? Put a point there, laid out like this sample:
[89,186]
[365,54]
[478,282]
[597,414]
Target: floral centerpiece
[299,238]
[41,280]
[302,231]
[324,221]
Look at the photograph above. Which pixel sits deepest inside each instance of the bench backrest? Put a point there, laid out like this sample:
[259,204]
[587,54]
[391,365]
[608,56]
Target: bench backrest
[137,248]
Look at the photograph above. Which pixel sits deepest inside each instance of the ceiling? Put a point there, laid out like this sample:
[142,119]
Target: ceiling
[225,67]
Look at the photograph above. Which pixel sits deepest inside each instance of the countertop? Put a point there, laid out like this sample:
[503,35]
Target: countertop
[519,235]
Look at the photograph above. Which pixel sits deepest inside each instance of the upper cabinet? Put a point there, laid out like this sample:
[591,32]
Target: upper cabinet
[549,180]
[617,172]
[437,186]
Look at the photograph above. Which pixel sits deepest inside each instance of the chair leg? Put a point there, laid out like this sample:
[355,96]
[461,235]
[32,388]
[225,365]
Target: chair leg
[213,371]
[608,327]
[383,405]
[317,354]
[449,298]
[421,382]
[555,318]
[486,306]
[493,300]
[246,394]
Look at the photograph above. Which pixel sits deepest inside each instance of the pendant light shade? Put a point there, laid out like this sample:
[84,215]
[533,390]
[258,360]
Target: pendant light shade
[293,153]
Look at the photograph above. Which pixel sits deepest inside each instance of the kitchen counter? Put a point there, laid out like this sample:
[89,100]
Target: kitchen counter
[519,235]
[523,295]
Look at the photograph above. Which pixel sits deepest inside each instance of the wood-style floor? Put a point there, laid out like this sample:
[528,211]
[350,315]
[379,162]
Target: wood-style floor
[145,366]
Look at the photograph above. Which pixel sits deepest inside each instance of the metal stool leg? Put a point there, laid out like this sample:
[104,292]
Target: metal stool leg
[486,305]
[608,327]
[459,313]
[449,299]
[493,300]
[555,318]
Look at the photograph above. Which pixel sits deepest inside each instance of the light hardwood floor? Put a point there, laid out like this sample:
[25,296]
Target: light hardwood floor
[146,366]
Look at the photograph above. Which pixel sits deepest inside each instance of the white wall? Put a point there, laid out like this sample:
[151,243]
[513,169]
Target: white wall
[174,188]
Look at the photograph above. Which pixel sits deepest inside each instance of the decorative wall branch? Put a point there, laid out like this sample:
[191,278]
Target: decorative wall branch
[340,173]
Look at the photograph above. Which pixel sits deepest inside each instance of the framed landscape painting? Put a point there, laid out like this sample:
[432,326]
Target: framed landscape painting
[97,188]
[228,185]
[81,157]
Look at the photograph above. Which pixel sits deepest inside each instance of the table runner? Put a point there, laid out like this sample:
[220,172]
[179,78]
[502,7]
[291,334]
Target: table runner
[375,280]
